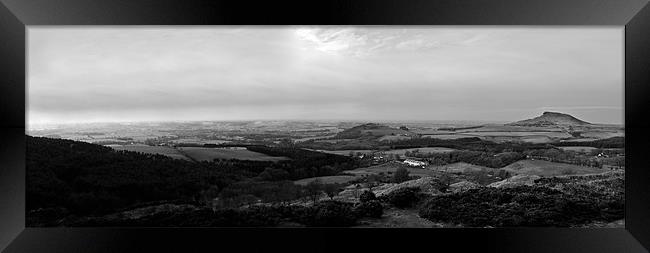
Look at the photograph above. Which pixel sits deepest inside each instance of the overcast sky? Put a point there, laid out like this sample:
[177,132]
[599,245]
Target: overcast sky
[102,74]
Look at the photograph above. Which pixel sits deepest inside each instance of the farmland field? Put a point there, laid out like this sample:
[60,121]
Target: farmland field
[546,168]
[383,132]
[447,136]
[198,141]
[315,138]
[460,167]
[393,138]
[421,150]
[578,149]
[326,180]
[431,131]
[602,134]
[536,139]
[506,128]
[390,168]
[209,154]
[345,152]
[161,150]
[335,140]
[580,140]
[522,134]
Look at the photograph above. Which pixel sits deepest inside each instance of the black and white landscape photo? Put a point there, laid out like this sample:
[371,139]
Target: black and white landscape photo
[325,126]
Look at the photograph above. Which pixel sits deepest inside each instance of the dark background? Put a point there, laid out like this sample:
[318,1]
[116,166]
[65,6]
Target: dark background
[16,14]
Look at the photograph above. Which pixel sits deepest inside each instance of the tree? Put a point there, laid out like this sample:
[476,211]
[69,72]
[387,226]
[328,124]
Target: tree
[328,170]
[271,174]
[286,143]
[404,197]
[400,175]
[332,214]
[596,163]
[373,180]
[480,177]
[444,181]
[502,174]
[367,196]
[619,162]
[314,189]
[237,200]
[332,190]
[282,191]
[207,196]
[371,208]
[595,152]
[357,188]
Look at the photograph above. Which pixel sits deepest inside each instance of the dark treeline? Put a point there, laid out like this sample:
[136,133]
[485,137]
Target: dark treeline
[561,156]
[89,179]
[486,159]
[306,163]
[322,214]
[211,145]
[223,145]
[458,128]
[530,206]
[497,155]
[471,143]
[499,160]
[359,144]
[614,142]
[471,150]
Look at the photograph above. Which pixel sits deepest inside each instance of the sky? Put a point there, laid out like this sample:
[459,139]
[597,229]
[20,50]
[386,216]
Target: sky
[369,73]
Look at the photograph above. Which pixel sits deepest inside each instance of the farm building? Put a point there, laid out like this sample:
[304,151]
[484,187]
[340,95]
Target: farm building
[412,162]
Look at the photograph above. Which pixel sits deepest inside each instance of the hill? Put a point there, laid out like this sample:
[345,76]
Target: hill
[551,119]
[372,130]
[87,179]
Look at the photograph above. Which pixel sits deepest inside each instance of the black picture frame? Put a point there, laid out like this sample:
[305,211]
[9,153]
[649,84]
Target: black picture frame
[16,15]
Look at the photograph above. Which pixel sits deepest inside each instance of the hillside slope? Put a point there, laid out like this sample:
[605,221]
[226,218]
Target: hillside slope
[86,178]
[372,130]
[550,119]
[546,168]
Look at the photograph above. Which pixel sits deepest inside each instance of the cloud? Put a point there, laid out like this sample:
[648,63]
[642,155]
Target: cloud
[418,44]
[363,41]
[445,73]
[594,107]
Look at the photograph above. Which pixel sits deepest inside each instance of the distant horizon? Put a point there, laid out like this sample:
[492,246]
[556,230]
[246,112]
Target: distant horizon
[328,73]
[270,120]
[439,121]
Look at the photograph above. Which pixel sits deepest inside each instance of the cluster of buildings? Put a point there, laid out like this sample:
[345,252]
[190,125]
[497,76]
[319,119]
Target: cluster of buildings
[379,158]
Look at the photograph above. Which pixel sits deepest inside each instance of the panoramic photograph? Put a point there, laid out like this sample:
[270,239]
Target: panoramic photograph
[325,126]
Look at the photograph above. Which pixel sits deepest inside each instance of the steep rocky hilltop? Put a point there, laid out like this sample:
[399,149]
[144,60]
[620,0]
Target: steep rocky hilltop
[550,119]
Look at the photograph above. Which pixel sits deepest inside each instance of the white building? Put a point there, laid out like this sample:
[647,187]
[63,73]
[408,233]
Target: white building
[411,162]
